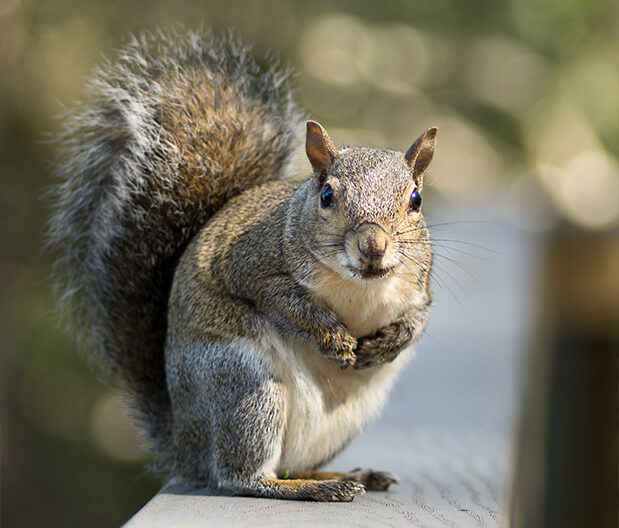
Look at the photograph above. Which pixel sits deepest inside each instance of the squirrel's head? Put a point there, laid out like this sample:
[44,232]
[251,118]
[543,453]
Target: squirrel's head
[366,203]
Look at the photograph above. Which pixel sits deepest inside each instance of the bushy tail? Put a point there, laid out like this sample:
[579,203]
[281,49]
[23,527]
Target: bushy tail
[176,126]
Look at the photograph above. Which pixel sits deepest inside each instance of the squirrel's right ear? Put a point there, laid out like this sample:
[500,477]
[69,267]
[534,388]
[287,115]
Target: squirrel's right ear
[319,148]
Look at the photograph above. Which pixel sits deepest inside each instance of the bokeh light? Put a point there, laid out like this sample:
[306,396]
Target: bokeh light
[112,430]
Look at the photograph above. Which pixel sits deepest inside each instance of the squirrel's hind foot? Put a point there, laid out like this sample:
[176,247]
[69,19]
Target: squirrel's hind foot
[310,490]
[371,480]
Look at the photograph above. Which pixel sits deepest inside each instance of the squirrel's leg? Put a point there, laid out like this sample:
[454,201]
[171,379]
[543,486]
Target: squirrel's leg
[228,423]
[293,312]
[372,480]
[227,413]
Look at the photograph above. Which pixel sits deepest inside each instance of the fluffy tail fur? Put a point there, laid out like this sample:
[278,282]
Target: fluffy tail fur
[175,127]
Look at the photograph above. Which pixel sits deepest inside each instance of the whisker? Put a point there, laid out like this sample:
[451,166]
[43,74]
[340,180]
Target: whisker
[443,269]
[461,252]
[465,243]
[423,264]
[438,242]
[410,230]
[329,245]
[434,275]
[461,265]
[462,222]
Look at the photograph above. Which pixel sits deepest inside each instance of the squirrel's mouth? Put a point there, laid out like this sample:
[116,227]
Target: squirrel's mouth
[371,272]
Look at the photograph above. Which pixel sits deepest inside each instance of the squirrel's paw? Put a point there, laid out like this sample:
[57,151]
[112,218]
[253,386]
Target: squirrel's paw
[372,480]
[383,347]
[366,358]
[341,349]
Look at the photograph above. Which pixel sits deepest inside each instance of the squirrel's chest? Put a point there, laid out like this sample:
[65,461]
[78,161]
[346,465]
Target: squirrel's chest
[366,306]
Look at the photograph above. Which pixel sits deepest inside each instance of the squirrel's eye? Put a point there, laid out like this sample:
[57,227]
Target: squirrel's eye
[415,201]
[326,196]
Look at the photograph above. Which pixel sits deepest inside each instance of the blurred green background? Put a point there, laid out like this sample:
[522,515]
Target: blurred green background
[525,93]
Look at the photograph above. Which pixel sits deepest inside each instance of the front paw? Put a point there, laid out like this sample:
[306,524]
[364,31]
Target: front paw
[340,347]
[382,347]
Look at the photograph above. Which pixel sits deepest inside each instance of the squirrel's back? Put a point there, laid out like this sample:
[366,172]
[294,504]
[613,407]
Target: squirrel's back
[173,128]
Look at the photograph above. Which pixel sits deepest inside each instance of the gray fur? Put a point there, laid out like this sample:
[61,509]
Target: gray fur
[220,398]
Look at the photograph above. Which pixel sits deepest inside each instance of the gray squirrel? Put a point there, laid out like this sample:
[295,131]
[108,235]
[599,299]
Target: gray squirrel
[255,317]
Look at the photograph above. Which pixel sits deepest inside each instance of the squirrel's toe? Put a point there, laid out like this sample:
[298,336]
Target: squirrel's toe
[373,480]
[346,361]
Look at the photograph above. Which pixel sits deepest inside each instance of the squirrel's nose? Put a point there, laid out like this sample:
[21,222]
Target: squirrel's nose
[372,242]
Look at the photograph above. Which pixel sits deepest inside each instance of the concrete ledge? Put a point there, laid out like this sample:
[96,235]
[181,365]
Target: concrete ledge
[401,506]
[449,479]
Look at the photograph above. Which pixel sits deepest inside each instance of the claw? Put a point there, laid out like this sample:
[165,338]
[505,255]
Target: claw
[346,362]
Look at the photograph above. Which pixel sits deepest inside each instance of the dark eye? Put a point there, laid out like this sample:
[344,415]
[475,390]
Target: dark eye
[326,196]
[415,201]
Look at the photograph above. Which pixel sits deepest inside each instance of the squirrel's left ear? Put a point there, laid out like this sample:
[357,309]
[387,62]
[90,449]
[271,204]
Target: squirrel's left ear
[419,155]
[319,148]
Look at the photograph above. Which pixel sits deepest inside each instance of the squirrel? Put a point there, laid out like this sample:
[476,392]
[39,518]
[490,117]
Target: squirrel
[255,315]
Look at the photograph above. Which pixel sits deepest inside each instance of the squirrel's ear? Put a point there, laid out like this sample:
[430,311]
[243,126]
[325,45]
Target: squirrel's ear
[319,148]
[419,155]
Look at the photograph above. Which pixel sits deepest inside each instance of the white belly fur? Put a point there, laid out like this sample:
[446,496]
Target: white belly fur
[325,406]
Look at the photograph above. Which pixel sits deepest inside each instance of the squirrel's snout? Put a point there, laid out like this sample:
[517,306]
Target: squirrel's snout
[372,247]
[373,244]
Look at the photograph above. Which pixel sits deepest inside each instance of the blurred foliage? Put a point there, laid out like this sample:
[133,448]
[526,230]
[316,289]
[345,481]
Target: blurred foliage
[526,94]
